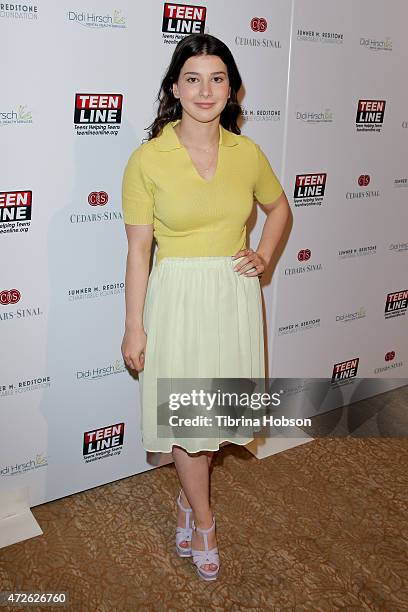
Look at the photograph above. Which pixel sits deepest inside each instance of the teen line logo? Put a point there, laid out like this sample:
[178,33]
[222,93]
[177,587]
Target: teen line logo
[98,114]
[15,211]
[180,20]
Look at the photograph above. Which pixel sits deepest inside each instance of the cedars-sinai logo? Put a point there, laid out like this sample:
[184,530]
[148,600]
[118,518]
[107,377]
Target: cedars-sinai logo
[9,296]
[304,254]
[95,20]
[259,24]
[19,114]
[390,363]
[98,198]
[364,180]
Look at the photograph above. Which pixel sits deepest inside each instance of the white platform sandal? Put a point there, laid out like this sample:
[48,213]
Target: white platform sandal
[204,557]
[183,534]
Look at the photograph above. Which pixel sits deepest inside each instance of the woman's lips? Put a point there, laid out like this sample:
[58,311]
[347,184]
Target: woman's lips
[205,104]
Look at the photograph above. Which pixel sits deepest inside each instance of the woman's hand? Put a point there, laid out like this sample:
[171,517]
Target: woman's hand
[251,259]
[133,348]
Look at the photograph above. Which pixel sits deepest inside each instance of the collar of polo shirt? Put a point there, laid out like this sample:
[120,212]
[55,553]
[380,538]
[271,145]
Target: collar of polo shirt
[168,139]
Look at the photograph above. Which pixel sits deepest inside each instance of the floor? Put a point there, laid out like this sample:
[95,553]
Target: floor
[320,527]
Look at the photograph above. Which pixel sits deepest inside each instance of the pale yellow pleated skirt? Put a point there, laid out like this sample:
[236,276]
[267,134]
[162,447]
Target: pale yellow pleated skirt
[202,319]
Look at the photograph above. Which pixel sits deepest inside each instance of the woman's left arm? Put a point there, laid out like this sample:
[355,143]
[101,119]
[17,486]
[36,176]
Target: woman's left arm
[277,216]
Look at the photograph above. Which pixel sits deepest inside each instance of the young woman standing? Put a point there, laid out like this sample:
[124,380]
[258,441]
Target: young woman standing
[199,313]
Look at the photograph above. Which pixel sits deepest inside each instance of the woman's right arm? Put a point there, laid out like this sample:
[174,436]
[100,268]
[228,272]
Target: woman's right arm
[140,239]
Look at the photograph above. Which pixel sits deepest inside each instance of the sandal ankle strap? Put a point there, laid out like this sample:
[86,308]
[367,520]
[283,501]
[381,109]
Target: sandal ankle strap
[204,532]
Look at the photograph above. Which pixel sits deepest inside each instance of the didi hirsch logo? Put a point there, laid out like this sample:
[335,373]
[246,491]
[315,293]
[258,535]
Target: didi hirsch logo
[39,461]
[93,20]
[17,115]
[93,373]
[376,45]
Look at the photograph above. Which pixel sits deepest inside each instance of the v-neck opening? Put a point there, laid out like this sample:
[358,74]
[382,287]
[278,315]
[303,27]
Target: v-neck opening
[191,160]
[195,167]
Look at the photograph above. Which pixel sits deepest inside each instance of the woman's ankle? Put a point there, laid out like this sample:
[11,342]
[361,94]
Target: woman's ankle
[203,519]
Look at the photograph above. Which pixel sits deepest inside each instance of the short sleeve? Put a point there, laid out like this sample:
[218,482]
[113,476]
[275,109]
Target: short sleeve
[137,192]
[267,187]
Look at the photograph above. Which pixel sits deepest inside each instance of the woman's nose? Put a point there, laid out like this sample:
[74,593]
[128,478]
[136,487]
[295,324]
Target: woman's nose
[205,90]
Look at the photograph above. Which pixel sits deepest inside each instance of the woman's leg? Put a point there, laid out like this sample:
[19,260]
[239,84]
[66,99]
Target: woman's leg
[193,472]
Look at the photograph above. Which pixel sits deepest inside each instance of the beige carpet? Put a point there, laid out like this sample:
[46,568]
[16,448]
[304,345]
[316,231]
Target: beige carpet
[320,527]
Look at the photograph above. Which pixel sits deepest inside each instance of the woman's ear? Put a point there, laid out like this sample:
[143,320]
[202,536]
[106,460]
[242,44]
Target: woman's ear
[175,90]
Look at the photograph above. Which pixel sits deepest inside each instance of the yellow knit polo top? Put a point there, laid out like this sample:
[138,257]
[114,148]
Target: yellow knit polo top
[192,216]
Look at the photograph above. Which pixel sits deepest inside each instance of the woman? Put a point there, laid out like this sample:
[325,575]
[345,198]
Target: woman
[199,313]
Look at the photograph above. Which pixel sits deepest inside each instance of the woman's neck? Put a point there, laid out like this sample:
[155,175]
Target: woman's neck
[197,134]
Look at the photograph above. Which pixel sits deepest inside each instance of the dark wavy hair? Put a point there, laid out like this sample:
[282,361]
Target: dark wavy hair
[170,107]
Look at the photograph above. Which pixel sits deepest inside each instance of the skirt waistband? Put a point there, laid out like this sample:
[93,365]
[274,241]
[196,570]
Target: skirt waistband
[202,261]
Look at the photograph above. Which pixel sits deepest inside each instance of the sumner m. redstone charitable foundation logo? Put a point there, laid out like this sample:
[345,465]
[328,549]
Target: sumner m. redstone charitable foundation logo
[298,326]
[17,387]
[18,12]
[358,251]
[319,36]
[95,291]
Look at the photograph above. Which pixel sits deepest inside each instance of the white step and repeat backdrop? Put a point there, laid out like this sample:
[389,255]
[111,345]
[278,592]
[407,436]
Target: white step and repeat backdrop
[324,97]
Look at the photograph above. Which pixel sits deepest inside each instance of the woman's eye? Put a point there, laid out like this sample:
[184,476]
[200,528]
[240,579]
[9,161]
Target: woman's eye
[217,79]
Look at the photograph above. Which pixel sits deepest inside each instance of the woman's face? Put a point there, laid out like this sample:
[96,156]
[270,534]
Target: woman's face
[203,87]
